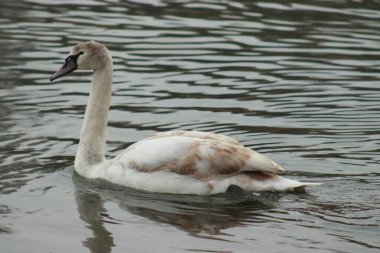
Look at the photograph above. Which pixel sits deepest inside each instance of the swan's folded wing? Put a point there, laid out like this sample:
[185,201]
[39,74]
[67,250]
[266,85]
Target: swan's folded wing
[201,158]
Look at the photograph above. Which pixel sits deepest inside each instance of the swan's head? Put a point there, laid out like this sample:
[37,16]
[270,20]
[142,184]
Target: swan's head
[89,55]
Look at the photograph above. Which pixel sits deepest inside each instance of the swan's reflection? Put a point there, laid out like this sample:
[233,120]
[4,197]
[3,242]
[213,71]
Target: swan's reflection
[200,216]
[90,207]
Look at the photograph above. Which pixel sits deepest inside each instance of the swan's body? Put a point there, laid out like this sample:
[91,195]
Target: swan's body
[184,162]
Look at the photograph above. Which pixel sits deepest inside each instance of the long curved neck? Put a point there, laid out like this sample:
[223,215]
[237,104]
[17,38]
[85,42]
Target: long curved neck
[93,135]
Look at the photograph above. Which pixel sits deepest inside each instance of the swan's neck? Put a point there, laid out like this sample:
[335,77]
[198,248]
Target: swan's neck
[93,135]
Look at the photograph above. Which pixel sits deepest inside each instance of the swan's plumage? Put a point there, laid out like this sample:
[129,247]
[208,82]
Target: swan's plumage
[196,154]
[189,162]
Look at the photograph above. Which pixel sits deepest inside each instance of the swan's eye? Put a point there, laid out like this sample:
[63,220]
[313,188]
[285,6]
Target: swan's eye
[74,57]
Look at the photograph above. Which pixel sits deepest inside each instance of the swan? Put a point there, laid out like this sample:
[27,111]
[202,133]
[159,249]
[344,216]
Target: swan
[178,162]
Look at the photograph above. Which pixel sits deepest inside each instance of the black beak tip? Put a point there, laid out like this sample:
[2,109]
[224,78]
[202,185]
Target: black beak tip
[53,77]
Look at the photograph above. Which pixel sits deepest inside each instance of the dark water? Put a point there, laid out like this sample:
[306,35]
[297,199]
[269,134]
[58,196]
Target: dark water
[297,80]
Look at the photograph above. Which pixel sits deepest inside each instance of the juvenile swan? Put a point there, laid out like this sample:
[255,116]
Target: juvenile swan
[181,162]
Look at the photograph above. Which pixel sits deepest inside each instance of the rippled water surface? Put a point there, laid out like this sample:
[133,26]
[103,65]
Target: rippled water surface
[297,80]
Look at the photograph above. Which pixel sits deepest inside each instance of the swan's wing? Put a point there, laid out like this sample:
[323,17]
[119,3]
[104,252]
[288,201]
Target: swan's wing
[197,154]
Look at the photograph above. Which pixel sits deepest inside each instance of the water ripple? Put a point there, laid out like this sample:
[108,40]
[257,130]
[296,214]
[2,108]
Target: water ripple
[297,80]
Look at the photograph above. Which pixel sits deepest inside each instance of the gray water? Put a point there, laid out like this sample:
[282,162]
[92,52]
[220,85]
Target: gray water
[296,80]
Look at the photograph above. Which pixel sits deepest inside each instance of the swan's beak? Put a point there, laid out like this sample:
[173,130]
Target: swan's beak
[69,66]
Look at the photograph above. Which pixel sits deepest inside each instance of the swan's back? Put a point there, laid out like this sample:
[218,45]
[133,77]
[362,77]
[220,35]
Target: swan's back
[196,154]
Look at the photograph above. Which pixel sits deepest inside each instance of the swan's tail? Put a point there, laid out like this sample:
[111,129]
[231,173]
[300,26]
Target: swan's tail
[297,184]
[258,181]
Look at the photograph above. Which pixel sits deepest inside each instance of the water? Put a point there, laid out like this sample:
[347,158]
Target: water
[297,80]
